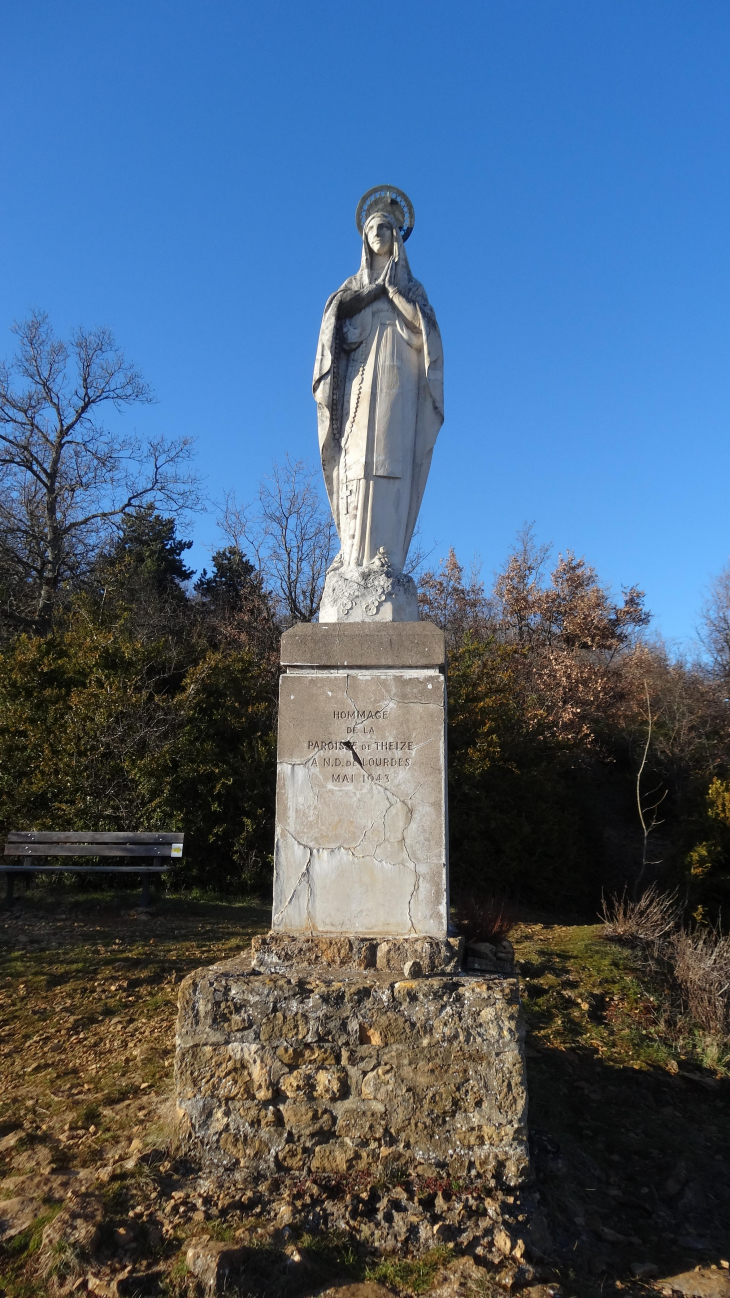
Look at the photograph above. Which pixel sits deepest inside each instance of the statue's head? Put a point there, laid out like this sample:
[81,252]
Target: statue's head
[389,202]
[385,219]
[379,232]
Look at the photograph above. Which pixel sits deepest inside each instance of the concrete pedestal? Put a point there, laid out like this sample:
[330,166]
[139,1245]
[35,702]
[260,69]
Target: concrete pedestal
[353,1043]
[361,818]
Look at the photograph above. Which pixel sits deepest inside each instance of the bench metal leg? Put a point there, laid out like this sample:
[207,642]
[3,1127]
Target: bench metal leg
[145,891]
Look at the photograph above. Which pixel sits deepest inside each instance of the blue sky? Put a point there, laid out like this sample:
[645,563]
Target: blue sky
[187,173]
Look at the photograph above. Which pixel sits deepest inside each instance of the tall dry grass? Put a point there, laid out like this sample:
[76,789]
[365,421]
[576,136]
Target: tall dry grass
[698,958]
[701,966]
[653,917]
[482,917]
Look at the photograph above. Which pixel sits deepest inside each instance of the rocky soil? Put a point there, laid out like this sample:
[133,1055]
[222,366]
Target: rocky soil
[629,1113]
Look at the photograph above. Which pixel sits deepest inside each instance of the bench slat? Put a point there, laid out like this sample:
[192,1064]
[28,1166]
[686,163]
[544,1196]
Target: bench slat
[91,849]
[85,869]
[82,836]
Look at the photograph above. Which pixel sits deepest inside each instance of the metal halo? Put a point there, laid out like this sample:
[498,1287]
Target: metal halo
[392,198]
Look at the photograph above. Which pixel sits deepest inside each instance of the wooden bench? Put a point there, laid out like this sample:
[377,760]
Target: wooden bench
[21,843]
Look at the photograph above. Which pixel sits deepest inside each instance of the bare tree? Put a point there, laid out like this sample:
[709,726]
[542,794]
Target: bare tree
[291,533]
[648,810]
[715,632]
[64,477]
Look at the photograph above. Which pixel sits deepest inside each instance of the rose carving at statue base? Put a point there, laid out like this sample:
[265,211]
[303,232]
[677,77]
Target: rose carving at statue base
[371,594]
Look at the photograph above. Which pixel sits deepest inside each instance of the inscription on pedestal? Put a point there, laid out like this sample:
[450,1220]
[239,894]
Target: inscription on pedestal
[361,806]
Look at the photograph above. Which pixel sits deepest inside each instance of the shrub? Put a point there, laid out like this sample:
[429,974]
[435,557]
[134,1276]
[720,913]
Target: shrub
[701,960]
[483,918]
[649,919]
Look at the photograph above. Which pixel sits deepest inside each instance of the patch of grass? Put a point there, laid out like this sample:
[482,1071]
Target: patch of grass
[414,1276]
[582,992]
[18,1268]
[116,1198]
[334,1251]
[219,1231]
[392,1175]
[29,1241]
[88,1115]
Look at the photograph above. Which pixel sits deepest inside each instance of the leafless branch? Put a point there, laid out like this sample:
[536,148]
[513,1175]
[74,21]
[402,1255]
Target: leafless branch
[290,533]
[65,478]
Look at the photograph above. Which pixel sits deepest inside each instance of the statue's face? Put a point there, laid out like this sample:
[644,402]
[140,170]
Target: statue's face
[379,234]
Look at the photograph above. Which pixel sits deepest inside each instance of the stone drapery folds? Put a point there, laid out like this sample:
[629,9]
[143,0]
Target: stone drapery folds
[378,384]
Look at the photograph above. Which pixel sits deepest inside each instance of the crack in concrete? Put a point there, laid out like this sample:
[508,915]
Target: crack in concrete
[391,802]
[304,874]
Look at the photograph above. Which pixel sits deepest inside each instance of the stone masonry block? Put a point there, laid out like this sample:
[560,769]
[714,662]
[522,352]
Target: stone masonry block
[338,1070]
[275,952]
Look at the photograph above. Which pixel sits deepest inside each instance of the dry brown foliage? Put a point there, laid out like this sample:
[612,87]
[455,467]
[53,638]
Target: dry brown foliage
[567,631]
[651,918]
[484,918]
[454,601]
[701,960]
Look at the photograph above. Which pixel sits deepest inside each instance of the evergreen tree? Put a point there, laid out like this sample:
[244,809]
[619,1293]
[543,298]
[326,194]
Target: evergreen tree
[231,580]
[149,551]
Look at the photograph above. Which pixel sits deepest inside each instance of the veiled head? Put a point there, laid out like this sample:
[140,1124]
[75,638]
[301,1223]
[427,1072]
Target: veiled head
[379,232]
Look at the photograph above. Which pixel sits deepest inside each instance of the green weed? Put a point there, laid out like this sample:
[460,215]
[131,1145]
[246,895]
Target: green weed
[415,1275]
[334,1251]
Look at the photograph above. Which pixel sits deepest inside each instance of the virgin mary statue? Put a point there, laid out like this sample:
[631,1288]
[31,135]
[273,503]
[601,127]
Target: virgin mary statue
[378,384]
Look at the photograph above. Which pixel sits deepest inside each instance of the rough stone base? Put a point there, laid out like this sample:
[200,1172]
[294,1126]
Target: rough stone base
[347,1071]
[277,952]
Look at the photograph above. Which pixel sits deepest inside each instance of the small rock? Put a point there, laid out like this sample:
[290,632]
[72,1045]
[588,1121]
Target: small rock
[503,1241]
[368,1289]
[77,1224]
[139,1282]
[702,1283]
[413,969]
[644,1270]
[482,950]
[612,1236]
[123,1236]
[100,1286]
[16,1215]
[507,1279]
[214,1263]
[10,1141]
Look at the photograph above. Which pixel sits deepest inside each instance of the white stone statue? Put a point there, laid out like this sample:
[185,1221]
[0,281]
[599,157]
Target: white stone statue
[378,384]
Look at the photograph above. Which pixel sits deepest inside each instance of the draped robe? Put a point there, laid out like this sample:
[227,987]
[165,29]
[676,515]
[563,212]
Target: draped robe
[378,384]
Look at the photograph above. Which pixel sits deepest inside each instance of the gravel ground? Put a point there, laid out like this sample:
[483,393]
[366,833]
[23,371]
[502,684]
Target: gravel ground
[630,1133]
